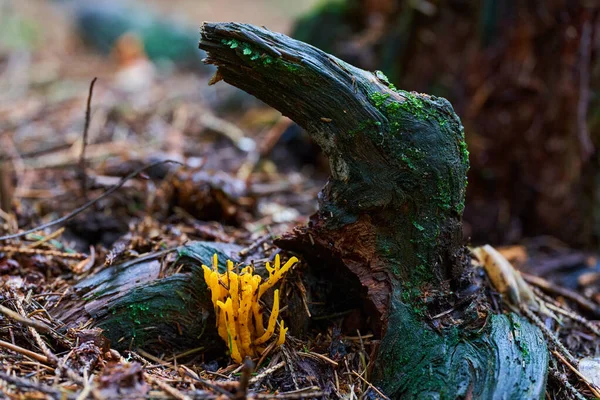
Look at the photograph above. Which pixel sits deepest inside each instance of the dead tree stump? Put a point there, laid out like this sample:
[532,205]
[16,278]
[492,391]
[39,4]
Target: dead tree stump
[391,215]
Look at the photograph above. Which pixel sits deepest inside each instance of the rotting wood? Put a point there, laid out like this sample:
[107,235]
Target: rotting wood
[390,215]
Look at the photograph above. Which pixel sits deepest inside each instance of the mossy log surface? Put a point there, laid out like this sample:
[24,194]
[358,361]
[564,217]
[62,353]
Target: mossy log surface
[391,215]
[139,303]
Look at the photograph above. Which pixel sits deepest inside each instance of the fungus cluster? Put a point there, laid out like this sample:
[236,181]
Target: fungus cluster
[236,298]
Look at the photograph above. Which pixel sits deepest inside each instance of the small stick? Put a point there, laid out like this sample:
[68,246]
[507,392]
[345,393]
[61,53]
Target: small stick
[253,246]
[273,135]
[313,355]
[589,384]
[47,238]
[575,317]
[49,253]
[310,392]
[82,208]
[244,382]
[184,354]
[23,320]
[290,366]
[25,352]
[302,289]
[52,359]
[266,372]
[166,388]
[205,382]
[561,291]
[370,385]
[50,356]
[157,360]
[265,353]
[83,174]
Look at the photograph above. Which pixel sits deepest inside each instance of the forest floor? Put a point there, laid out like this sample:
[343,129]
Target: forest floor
[247,175]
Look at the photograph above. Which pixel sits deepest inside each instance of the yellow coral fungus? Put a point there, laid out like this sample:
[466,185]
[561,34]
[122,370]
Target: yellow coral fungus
[236,297]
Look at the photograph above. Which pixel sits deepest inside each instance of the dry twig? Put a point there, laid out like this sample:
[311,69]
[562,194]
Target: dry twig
[88,204]
[49,253]
[370,385]
[561,291]
[259,377]
[82,166]
[24,320]
[166,388]
[589,384]
[25,352]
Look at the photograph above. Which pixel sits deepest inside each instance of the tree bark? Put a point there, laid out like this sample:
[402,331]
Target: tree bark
[391,216]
